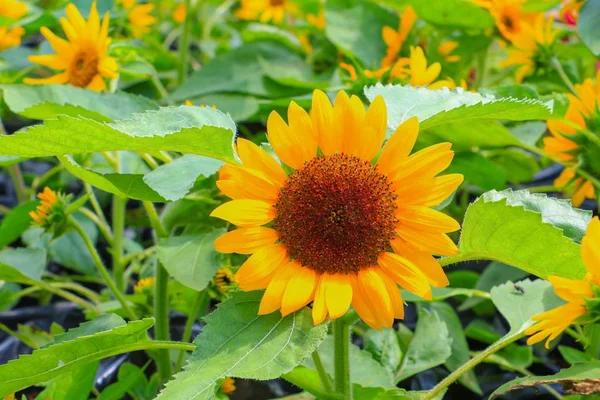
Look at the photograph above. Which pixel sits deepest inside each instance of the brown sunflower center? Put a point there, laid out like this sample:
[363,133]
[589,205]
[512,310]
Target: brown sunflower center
[276,3]
[83,68]
[336,214]
[508,22]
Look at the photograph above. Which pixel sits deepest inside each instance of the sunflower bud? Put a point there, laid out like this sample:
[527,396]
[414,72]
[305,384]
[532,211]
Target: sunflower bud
[51,213]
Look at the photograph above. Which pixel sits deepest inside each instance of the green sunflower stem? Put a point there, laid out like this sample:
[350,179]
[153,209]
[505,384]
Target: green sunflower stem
[184,43]
[341,340]
[118,222]
[200,301]
[161,299]
[563,75]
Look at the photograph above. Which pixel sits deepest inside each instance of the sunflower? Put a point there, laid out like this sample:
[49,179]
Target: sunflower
[179,13]
[265,10]
[508,15]
[42,213]
[10,37]
[227,386]
[575,292]
[416,70]
[83,57]
[139,16]
[145,283]
[12,9]
[395,39]
[446,48]
[333,220]
[582,111]
[533,39]
[569,11]
[318,20]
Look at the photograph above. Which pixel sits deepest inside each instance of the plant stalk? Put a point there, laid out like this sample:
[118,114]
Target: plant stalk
[18,182]
[119,205]
[341,339]
[322,373]
[199,302]
[563,75]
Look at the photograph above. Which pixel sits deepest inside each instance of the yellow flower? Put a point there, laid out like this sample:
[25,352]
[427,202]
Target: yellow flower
[265,10]
[84,56]
[395,39]
[145,283]
[446,48]
[44,210]
[533,37]
[139,16]
[228,386]
[552,323]
[582,108]
[179,13]
[333,219]
[223,279]
[10,38]
[317,20]
[416,69]
[13,9]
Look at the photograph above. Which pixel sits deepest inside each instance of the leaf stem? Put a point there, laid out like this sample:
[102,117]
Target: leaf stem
[199,301]
[68,296]
[341,340]
[469,365]
[4,210]
[119,205]
[18,182]
[184,44]
[98,210]
[102,269]
[161,298]
[325,380]
[563,75]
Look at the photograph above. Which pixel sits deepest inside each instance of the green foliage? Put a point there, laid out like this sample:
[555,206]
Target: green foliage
[570,376]
[191,260]
[22,265]
[75,385]
[16,222]
[454,14]
[384,346]
[587,25]
[237,342]
[70,356]
[529,231]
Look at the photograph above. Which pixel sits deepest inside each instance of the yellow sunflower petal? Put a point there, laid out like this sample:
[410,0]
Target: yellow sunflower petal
[406,274]
[58,78]
[290,148]
[321,114]
[426,219]
[424,261]
[590,247]
[53,61]
[429,192]
[425,163]
[399,146]
[319,308]
[393,292]
[376,296]
[299,291]
[97,84]
[246,240]
[245,213]
[572,290]
[338,294]
[273,296]
[359,302]
[254,157]
[430,242]
[376,121]
[259,268]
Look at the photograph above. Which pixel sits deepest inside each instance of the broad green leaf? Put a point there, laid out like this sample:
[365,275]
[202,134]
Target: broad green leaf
[48,101]
[7,294]
[239,343]
[518,165]
[6,161]
[574,356]
[355,28]
[69,250]
[578,373]
[459,345]
[464,136]
[239,107]
[191,260]
[361,393]
[518,305]
[22,265]
[430,346]
[240,71]
[174,180]
[16,222]
[443,106]
[454,14]
[532,232]
[194,130]
[478,171]
[129,376]
[257,32]
[99,324]
[494,274]
[365,370]
[482,331]
[75,385]
[529,132]
[66,357]
[587,25]
[384,347]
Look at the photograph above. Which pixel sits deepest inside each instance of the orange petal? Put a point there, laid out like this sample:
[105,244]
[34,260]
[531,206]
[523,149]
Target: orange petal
[406,274]
[376,123]
[338,294]
[322,118]
[256,158]
[590,248]
[245,213]
[257,271]
[426,219]
[424,261]
[399,146]
[300,290]
[273,296]
[429,242]
[246,240]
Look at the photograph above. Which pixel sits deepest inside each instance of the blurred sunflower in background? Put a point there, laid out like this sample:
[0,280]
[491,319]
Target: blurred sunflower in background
[563,142]
[83,57]
[12,9]
[265,10]
[333,219]
[139,17]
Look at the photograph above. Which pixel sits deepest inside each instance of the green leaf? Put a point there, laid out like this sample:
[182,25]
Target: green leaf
[478,170]
[459,346]
[8,290]
[240,71]
[576,374]
[69,250]
[194,130]
[174,180]
[102,323]
[518,306]
[587,25]
[440,294]
[464,136]
[129,376]
[49,101]
[239,343]
[494,274]
[16,222]
[66,357]
[191,260]
[438,107]
[22,265]
[361,393]
[532,232]
[9,160]
[574,356]
[355,28]
[365,371]
[454,14]
[75,385]
[430,346]
[384,347]
[239,107]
